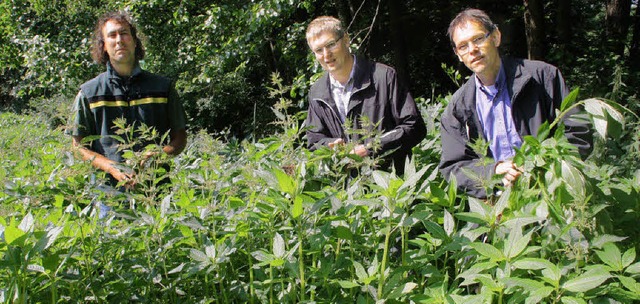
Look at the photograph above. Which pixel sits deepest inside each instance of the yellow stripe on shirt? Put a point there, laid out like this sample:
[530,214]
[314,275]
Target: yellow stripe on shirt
[121,103]
[117,103]
[148,100]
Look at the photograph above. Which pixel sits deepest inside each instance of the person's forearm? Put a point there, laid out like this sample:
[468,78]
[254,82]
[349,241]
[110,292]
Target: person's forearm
[177,143]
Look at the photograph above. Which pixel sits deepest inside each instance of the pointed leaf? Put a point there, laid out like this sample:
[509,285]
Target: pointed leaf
[198,255]
[435,230]
[286,183]
[572,300]
[278,246]
[630,283]
[48,239]
[487,250]
[296,209]
[348,284]
[633,269]
[586,281]
[449,223]
[516,244]
[611,256]
[533,264]
[11,234]
[570,99]
[360,272]
[27,223]
[628,257]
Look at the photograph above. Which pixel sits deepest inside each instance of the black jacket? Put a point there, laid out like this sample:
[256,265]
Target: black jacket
[377,95]
[536,89]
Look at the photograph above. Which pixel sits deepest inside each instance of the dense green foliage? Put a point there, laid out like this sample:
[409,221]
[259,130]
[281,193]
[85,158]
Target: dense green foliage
[221,53]
[270,222]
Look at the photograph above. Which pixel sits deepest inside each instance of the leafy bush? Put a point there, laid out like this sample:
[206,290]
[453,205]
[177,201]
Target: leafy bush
[268,221]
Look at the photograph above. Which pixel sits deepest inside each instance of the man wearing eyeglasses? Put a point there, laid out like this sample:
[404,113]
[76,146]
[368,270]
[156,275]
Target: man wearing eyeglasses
[503,101]
[353,88]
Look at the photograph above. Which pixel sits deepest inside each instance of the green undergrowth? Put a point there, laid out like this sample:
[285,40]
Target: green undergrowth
[267,221]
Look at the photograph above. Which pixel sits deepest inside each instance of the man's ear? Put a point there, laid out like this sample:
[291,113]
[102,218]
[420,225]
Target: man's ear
[496,37]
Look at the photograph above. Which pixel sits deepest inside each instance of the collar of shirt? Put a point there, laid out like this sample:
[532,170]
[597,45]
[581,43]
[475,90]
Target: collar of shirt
[342,93]
[493,104]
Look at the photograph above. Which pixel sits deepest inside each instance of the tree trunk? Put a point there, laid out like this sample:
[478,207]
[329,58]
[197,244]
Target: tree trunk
[634,50]
[534,28]
[617,25]
[565,32]
[397,40]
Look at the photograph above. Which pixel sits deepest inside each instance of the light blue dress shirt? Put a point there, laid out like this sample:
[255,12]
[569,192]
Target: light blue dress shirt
[342,93]
[493,104]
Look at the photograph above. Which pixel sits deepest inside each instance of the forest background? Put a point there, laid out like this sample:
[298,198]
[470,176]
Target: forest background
[222,53]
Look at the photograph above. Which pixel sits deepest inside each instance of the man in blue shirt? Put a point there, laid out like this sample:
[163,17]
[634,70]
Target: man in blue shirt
[503,101]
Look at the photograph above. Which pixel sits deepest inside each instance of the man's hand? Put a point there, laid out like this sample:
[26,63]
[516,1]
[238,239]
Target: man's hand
[120,176]
[509,171]
[360,150]
[336,143]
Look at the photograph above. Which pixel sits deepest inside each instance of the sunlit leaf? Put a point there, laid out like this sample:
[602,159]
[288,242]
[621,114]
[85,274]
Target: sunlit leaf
[586,281]
[487,250]
[611,256]
[278,246]
[348,284]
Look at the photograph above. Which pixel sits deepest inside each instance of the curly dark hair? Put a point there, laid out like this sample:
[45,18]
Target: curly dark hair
[98,53]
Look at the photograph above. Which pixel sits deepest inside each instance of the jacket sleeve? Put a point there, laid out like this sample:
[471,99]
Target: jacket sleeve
[409,125]
[458,159]
[577,130]
[318,134]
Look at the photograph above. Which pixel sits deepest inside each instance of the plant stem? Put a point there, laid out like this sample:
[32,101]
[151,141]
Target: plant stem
[383,266]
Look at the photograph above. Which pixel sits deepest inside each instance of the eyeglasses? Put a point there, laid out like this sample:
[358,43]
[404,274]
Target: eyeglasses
[464,48]
[331,46]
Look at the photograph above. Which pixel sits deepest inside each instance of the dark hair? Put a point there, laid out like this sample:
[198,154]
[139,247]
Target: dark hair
[98,53]
[470,15]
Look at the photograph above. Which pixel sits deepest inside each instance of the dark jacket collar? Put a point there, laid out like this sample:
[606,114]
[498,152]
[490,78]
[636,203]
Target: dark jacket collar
[516,78]
[113,74]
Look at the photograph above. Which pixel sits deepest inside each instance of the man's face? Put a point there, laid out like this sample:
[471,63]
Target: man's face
[477,48]
[331,51]
[119,43]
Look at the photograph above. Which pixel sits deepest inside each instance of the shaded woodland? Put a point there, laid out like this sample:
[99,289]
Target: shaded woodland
[222,54]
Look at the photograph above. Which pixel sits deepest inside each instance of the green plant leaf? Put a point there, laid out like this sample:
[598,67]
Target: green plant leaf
[601,240]
[516,243]
[285,182]
[449,223]
[572,300]
[600,111]
[348,284]
[533,264]
[435,230]
[47,239]
[278,246]
[14,236]
[633,269]
[487,250]
[360,272]
[586,281]
[296,209]
[630,283]
[611,256]
[569,99]
[399,291]
[628,257]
